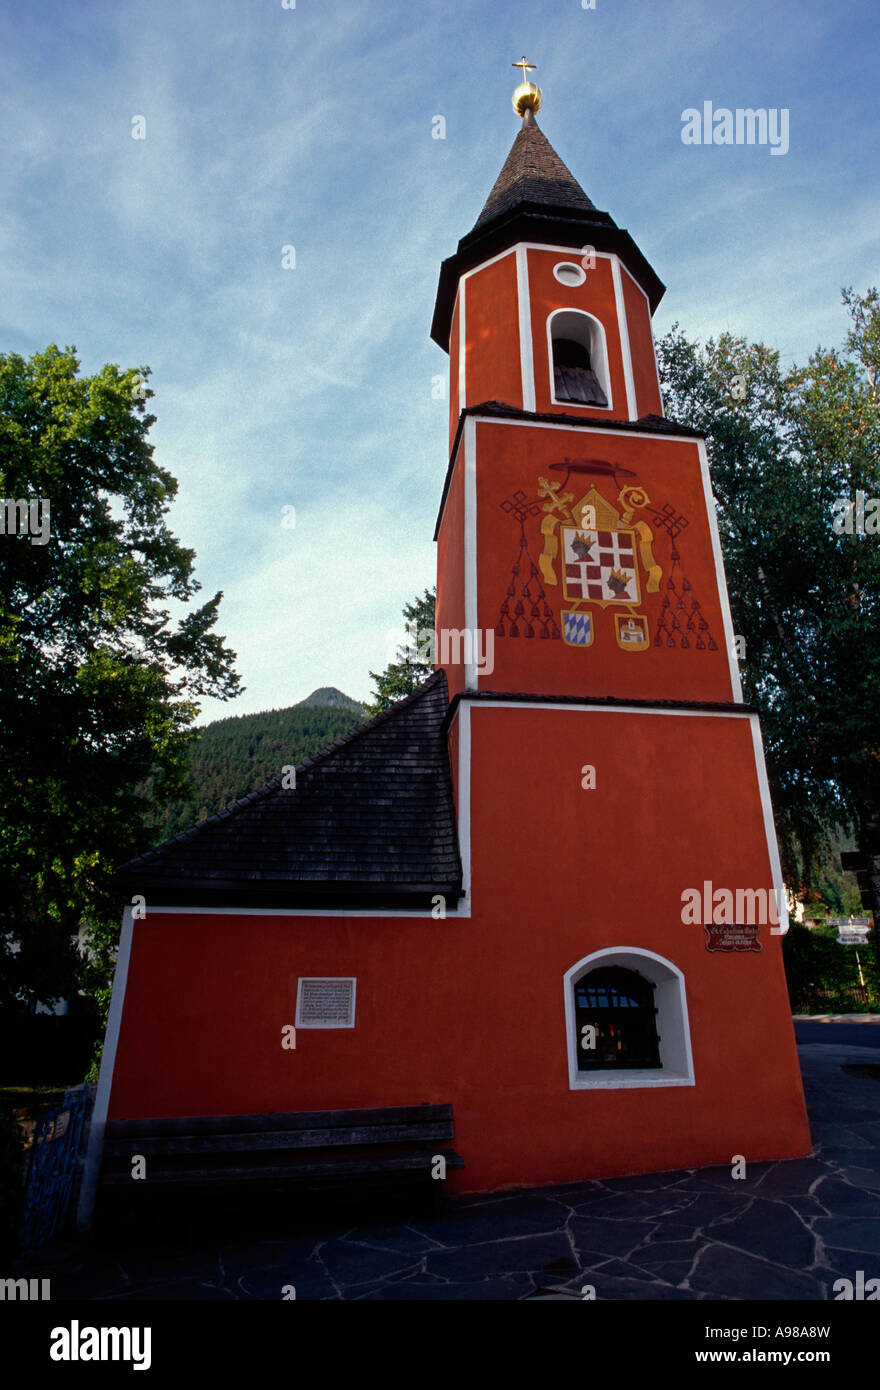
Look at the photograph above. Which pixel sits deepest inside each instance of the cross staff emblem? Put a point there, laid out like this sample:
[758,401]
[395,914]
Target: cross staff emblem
[524,65]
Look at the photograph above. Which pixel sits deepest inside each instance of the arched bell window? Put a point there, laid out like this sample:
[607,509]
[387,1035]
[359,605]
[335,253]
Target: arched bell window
[615,1019]
[578,366]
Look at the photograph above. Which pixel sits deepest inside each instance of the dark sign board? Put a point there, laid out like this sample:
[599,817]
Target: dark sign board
[734,936]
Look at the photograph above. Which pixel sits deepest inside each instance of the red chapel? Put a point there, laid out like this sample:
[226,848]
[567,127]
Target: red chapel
[540,889]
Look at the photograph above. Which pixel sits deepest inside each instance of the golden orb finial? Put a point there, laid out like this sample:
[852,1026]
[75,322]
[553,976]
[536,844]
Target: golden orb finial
[527,96]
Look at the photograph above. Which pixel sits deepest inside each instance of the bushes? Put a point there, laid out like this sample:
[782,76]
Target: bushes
[822,976]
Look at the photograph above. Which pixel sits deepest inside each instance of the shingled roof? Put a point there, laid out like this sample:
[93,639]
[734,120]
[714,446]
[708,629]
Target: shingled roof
[370,823]
[533,173]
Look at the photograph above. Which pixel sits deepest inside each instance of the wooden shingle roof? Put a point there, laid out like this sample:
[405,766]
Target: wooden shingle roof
[533,173]
[370,823]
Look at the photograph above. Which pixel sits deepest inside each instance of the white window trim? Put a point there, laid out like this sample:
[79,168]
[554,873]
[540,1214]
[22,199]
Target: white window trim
[677,1067]
[598,359]
[337,979]
[625,350]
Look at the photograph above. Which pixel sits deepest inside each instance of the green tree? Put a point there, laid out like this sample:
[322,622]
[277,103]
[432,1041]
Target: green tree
[784,448]
[413,665]
[99,686]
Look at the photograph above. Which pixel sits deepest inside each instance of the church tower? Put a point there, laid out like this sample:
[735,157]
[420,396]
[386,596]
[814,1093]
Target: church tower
[559,533]
[621,861]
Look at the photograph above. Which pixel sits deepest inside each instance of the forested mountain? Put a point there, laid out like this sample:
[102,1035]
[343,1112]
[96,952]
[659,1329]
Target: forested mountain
[234,756]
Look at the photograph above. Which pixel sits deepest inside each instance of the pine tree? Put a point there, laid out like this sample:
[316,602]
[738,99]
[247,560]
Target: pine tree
[413,665]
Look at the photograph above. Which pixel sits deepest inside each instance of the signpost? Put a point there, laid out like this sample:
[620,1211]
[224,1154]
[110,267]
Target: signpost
[851,931]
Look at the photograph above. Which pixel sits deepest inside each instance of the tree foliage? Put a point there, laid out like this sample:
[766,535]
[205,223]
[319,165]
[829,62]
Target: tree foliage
[413,665]
[99,686]
[823,976]
[784,447]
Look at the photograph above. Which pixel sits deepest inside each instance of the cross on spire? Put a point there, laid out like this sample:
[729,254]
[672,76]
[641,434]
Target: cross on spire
[527,97]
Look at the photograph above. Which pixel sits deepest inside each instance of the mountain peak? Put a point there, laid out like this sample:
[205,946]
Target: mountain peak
[329,695]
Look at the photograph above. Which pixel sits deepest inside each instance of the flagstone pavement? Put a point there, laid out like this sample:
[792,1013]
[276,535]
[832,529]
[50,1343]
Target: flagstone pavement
[787,1230]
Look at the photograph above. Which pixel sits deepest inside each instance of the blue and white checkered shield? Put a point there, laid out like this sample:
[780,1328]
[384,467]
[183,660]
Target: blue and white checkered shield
[577,628]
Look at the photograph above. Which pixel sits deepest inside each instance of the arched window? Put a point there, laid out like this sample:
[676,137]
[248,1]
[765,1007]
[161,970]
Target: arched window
[626,1021]
[615,1017]
[577,359]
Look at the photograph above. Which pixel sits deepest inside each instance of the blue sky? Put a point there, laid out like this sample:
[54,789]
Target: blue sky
[312,127]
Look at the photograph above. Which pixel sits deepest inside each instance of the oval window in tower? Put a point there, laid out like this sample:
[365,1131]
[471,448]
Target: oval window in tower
[567,273]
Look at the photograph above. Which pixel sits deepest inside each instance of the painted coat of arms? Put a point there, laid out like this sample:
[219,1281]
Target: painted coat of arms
[598,554]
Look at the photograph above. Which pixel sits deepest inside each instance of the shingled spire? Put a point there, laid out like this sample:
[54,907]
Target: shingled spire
[536,199]
[534,174]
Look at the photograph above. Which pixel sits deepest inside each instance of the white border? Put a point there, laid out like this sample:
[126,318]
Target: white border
[770,831]
[598,358]
[587,708]
[721,577]
[463,708]
[524,310]
[331,979]
[636,1077]
[404,913]
[623,334]
[471,670]
[462,347]
[92,1167]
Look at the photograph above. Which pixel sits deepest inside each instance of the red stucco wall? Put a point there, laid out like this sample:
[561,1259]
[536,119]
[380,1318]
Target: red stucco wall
[471,1011]
[491,320]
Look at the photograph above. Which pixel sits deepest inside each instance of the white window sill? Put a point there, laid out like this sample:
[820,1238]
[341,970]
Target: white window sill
[628,1080]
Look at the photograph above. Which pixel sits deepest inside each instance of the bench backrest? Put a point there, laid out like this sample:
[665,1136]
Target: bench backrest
[302,1130]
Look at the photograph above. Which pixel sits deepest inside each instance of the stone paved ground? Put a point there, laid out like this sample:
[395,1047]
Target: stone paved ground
[786,1231]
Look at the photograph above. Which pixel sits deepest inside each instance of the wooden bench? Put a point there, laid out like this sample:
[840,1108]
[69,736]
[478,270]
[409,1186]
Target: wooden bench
[315,1148]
